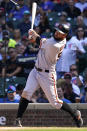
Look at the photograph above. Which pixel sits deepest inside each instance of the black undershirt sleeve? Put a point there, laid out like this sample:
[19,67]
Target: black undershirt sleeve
[38,40]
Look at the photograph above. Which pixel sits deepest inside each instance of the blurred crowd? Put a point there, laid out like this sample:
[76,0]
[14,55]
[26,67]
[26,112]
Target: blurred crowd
[17,55]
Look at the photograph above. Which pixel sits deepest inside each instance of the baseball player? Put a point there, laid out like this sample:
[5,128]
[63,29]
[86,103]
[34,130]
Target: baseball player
[44,75]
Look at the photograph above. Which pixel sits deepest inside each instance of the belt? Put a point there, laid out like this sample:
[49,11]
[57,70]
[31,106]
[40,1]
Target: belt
[41,70]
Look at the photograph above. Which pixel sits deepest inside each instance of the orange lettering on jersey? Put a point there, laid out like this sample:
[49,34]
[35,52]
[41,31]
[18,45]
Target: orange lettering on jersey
[61,50]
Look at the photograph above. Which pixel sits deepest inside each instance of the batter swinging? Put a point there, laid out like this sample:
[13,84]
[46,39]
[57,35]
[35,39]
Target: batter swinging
[44,75]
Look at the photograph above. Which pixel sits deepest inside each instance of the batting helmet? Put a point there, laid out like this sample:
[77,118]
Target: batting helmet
[63,28]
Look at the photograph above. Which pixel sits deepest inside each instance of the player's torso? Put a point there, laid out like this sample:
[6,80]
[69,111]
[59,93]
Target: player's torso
[48,54]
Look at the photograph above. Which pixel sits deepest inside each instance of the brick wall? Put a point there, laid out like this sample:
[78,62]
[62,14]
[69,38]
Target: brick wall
[40,115]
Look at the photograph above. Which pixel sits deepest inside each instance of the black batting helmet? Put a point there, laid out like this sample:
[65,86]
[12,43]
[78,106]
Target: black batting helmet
[63,28]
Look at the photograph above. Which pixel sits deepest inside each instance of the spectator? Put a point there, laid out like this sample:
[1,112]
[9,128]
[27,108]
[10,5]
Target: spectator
[61,83]
[69,94]
[2,17]
[76,44]
[33,49]
[17,36]
[23,50]
[81,4]
[25,25]
[75,88]
[85,16]
[79,22]
[59,7]
[47,5]
[7,5]
[77,79]
[42,98]
[29,49]
[17,13]
[71,10]
[7,41]
[71,91]
[39,12]
[11,92]
[17,48]
[13,68]
[25,43]
[10,28]
[44,24]
[62,19]
[28,54]
[80,38]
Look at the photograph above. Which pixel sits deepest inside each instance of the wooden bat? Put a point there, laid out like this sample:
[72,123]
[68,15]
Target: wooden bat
[34,7]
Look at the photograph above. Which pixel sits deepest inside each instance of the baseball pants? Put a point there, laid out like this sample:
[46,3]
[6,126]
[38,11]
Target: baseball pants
[47,81]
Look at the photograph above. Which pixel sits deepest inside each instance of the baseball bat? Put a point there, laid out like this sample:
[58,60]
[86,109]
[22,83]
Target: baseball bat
[34,7]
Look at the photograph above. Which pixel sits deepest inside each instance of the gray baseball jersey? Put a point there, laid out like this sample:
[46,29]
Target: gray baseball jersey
[48,54]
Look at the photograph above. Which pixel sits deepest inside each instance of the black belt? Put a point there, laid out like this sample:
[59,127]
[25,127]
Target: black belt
[41,70]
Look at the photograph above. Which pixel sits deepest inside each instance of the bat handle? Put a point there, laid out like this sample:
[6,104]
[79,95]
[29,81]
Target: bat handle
[32,26]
